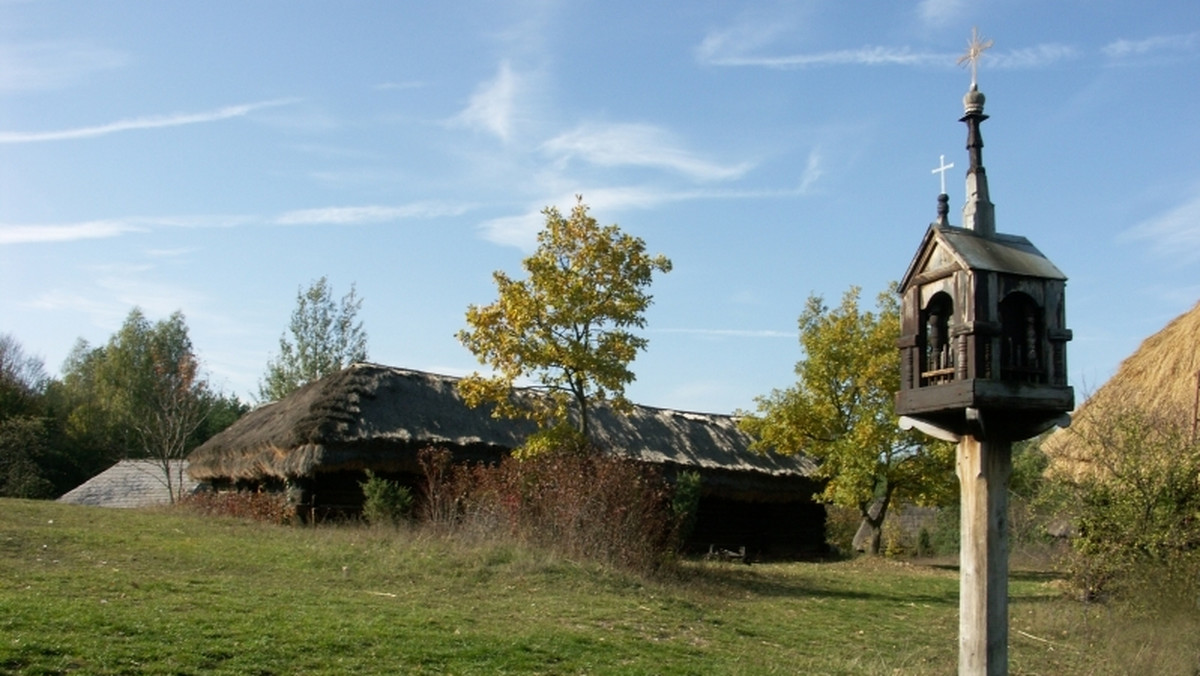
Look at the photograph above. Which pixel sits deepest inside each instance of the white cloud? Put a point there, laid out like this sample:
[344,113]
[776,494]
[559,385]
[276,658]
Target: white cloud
[863,56]
[729,333]
[492,107]
[521,230]
[1120,49]
[1030,57]
[744,37]
[148,122]
[398,86]
[29,234]
[616,145]
[939,12]
[1173,235]
[53,65]
[745,46]
[367,214]
[812,171]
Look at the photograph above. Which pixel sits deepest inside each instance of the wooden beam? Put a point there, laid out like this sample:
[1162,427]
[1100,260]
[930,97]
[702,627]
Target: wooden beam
[984,468]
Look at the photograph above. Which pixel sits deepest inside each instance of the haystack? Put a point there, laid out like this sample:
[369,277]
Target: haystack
[1161,379]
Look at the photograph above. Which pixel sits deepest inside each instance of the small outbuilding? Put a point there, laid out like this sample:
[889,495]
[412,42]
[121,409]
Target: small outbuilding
[319,441]
[134,483]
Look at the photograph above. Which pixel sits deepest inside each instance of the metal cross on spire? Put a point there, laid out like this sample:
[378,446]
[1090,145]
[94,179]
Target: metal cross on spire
[975,49]
[942,167]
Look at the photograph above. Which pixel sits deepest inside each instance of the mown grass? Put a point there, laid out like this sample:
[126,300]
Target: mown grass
[94,591]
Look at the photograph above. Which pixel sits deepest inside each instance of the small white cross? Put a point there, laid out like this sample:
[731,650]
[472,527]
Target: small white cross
[942,170]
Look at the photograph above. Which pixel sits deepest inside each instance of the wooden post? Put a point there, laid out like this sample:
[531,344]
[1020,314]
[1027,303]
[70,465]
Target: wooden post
[984,468]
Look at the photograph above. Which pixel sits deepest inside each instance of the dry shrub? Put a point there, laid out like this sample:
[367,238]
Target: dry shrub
[1137,509]
[262,506]
[841,523]
[439,497]
[587,506]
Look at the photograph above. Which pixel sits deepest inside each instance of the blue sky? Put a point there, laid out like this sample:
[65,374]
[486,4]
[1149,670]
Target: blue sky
[214,157]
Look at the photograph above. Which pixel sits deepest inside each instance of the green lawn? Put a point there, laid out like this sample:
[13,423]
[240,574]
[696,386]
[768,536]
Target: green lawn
[97,591]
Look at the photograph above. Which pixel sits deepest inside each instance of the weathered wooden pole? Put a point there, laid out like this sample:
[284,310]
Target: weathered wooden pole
[984,468]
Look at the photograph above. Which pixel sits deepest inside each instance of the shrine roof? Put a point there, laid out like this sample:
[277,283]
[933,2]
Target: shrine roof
[999,253]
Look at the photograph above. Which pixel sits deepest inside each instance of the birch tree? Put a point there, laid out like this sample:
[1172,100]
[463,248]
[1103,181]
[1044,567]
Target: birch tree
[325,337]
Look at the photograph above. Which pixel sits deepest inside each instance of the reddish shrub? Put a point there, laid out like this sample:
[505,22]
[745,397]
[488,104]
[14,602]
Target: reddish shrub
[585,505]
[253,505]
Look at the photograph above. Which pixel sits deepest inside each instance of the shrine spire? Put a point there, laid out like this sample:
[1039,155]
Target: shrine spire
[979,214]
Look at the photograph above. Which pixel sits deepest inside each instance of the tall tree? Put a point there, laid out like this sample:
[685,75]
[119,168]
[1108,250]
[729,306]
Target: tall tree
[841,412]
[141,392]
[22,378]
[325,338]
[23,435]
[568,326]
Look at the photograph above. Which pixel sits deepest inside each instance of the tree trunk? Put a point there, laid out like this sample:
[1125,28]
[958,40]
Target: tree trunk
[869,537]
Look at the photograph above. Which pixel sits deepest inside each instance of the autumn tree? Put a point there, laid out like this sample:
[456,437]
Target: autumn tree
[841,412]
[141,393]
[568,326]
[326,337]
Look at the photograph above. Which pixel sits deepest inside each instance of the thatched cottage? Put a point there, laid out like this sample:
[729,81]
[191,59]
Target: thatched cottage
[323,437]
[1161,379]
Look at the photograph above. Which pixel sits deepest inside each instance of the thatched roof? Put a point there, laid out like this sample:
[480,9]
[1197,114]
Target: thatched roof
[378,417]
[131,483]
[1159,379]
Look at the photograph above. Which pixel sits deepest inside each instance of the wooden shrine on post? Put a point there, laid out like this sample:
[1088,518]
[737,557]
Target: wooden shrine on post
[982,363]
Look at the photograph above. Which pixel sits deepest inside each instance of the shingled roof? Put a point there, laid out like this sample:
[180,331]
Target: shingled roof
[131,483]
[375,416]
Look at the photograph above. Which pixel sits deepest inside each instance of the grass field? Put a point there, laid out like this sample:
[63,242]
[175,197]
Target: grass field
[96,591]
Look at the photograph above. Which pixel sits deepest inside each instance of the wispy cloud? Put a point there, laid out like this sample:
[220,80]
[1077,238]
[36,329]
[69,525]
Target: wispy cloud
[31,234]
[812,171]
[939,12]
[1174,235]
[521,230]
[741,38]
[368,214]
[615,145]
[1121,49]
[148,122]
[53,65]
[862,56]
[751,46]
[399,86]
[1026,58]
[338,216]
[492,106]
[730,333]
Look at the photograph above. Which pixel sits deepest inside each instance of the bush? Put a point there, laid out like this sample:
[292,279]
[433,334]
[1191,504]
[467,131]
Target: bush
[1137,507]
[255,506]
[585,505]
[841,523]
[685,505]
[385,502]
[439,504]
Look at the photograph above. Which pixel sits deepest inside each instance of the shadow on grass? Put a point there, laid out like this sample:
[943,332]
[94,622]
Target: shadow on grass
[737,582]
[1020,575]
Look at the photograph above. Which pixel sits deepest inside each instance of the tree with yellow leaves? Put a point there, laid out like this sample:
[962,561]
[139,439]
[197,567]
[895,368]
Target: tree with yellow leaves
[568,325]
[841,412]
